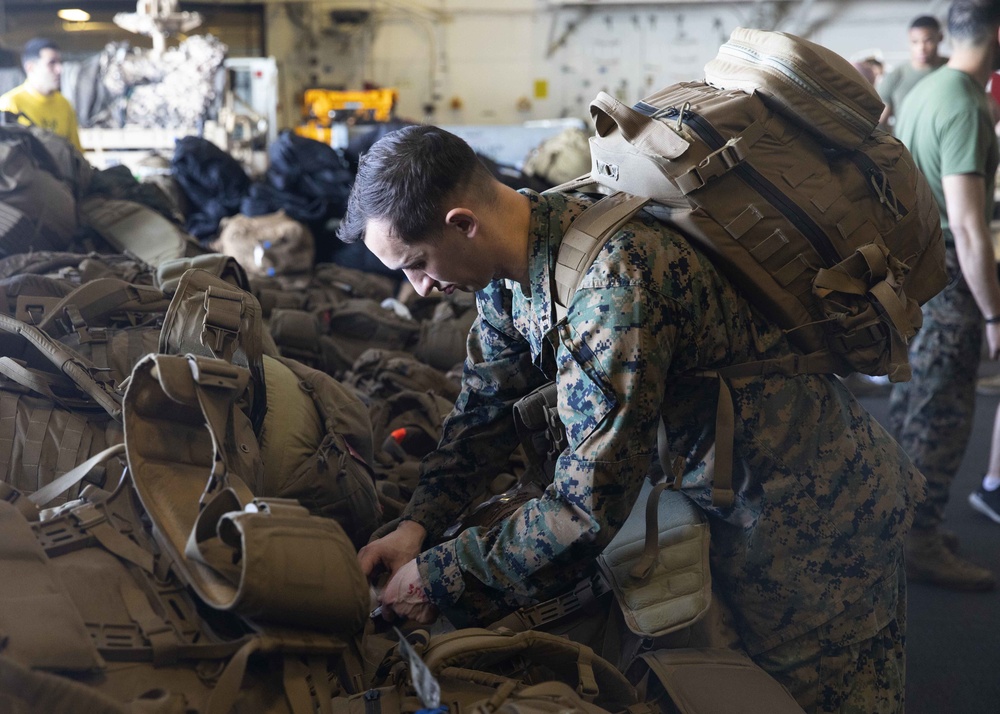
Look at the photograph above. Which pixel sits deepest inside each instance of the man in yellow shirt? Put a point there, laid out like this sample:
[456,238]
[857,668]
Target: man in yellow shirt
[39,98]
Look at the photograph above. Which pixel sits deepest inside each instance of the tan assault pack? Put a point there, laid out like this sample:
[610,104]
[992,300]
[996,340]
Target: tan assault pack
[774,169]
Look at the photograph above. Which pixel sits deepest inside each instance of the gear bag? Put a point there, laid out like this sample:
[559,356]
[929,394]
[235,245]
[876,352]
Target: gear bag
[138,229]
[479,670]
[118,592]
[703,680]
[773,169]
[317,447]
[559,158]
[38,210]
[269,245]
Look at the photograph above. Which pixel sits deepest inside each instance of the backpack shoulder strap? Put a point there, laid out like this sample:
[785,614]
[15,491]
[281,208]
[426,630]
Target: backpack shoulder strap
[84,375]
[584,240]
[93,302]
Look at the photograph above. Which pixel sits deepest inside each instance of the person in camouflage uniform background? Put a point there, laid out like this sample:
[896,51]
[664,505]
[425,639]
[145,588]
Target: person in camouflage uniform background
[809,555]
[947,125]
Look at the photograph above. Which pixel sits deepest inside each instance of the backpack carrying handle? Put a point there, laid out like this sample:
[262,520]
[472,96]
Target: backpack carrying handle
[646,134]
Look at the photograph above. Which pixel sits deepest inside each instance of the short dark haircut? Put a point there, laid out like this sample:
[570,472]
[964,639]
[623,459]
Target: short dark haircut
[33,49]
[405,179]
[974,21]
[926,22]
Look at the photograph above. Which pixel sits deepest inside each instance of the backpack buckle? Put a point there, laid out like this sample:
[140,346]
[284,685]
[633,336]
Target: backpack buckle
[211,372]
[223,316]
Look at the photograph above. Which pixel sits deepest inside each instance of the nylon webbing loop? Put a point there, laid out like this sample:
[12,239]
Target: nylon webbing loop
[894,308]
[74,443]
[161,636]
[721,161]
[8,431]
[74,476]
[223,316]
[651,545]
[34,440]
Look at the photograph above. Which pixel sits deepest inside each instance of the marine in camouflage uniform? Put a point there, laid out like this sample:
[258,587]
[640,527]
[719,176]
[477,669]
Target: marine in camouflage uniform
[940,399]
[947,124]
[824,500]
[809,554]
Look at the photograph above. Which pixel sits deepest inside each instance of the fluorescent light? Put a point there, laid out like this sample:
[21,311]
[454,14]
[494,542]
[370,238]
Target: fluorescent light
[73,15]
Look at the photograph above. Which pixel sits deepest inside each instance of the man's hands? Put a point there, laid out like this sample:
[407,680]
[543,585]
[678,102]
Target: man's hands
[404,595]
[392,551]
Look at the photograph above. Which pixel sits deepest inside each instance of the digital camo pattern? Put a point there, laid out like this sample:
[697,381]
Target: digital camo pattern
[824,496]
[870,670]
[931,415]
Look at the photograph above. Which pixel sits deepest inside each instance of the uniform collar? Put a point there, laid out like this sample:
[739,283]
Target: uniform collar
[542,247]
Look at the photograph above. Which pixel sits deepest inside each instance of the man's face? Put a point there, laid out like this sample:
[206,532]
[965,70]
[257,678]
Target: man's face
[45,72]
[924,45]
[446,262]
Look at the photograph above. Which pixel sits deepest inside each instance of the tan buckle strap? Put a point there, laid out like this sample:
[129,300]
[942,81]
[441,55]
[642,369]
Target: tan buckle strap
[223,316]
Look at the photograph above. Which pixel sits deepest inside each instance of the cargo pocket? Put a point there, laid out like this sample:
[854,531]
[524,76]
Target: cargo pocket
[862,663]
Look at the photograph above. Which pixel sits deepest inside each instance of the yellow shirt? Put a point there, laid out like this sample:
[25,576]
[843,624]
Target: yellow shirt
[52,112]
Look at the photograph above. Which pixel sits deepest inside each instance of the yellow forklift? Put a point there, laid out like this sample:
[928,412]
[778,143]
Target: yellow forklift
[328,113]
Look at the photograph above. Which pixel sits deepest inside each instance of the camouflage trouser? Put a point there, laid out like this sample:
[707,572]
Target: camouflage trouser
[855,663]
[931,415]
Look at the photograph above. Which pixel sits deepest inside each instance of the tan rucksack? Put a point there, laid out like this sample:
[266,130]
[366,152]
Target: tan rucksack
[773,168]
[480,671]
[97,592]
[38,208]
[138,229]
[269,245]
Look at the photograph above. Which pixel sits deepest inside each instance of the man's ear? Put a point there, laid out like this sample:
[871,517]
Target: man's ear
[464,220]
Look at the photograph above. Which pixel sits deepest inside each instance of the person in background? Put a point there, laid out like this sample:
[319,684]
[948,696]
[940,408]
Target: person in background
[986,498]
[946,123]
[925,37]
[808,554]
[39,98]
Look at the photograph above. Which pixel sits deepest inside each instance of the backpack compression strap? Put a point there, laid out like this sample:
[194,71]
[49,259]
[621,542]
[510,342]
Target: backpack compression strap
[584,240]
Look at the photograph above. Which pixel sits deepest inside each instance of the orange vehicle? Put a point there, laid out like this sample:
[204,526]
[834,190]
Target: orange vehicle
[322,109]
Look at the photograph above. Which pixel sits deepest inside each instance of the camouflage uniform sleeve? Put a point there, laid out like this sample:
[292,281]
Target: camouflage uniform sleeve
[612,359]
[479,434]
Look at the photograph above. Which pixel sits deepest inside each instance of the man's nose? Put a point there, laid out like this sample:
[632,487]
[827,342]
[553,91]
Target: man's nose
[420,282]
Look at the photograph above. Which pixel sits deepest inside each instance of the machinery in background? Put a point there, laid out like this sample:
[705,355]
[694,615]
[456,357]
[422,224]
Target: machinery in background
[242,119]
[249,112]
[157,19]
[329,114]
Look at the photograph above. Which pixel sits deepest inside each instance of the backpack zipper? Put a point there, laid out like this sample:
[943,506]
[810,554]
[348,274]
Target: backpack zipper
[806,83]
[798,218]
